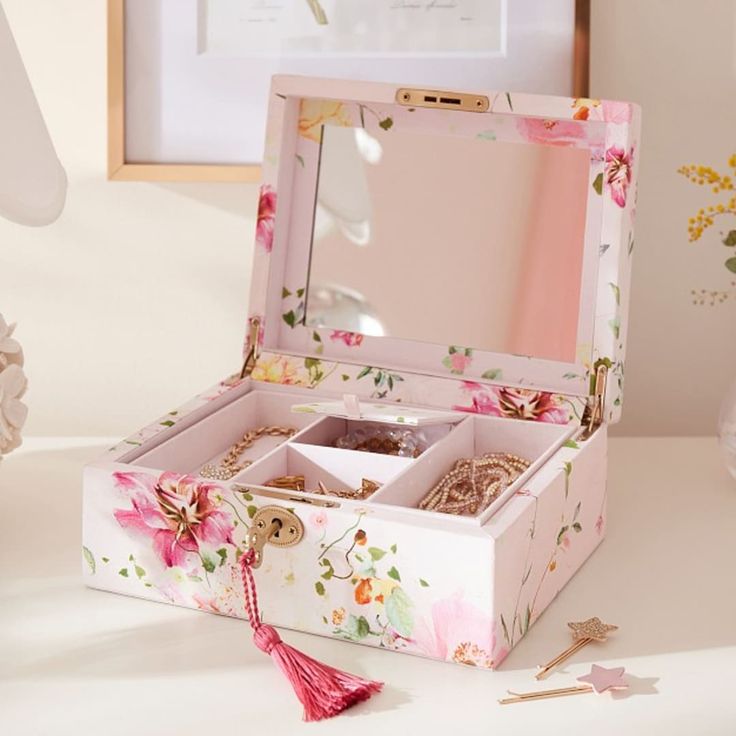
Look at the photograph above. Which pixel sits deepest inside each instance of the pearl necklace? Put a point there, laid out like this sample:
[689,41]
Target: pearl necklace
[474,483]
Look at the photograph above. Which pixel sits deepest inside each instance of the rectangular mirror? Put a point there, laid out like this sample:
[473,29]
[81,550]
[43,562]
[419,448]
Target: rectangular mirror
[451,240]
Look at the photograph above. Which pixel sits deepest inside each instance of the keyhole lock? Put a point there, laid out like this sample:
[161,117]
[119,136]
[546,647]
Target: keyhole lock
[274,525]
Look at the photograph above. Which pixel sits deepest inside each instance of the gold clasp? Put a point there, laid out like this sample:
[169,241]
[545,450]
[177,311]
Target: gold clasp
[273,525]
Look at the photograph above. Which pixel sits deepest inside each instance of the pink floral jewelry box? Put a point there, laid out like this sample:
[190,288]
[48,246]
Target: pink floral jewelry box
[444,269]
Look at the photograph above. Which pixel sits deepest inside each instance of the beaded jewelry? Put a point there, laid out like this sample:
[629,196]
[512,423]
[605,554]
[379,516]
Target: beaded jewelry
[474,483]
[384,440]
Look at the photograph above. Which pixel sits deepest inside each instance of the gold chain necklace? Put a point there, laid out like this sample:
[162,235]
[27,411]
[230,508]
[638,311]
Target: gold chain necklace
[229,465]
[474,483]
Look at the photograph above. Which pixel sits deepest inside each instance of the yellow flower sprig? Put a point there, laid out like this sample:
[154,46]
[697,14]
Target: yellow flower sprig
[705,175]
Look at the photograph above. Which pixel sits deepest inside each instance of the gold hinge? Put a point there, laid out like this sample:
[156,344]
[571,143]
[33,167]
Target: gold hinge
[250,359]
[593,414]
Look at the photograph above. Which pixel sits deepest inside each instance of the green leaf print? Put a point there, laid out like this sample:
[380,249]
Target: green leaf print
[357,627]
[400,612]
[376,553]
[89,558]
[492,374]
[505,630]
[598,184]
[561,534]
[394,573]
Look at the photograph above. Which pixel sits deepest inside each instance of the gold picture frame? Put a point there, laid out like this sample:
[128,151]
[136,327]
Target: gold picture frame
[120,169]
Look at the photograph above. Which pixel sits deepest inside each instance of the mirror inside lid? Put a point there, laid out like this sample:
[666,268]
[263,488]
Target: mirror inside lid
[483,236]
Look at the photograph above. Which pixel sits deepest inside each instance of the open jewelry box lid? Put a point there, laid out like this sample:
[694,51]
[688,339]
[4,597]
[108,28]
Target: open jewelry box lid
[427,245]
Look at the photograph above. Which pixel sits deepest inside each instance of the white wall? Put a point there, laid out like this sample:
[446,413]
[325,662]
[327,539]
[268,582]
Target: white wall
[678,60]
[136,299]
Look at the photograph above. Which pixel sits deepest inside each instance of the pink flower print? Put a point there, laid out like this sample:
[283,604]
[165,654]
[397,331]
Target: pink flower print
[459,362]
[517,403]
[457,359]
[176,512]
[551,132]
[266,217]
[318,520]
[618,173]
[351,339]
[457,631]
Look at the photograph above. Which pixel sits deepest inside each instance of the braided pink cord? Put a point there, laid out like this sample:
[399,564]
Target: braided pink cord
[249,588]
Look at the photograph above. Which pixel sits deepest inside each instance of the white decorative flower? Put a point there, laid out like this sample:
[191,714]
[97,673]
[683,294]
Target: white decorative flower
[10,351]
[13,411]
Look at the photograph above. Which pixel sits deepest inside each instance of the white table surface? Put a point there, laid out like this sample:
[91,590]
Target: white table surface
[78,661]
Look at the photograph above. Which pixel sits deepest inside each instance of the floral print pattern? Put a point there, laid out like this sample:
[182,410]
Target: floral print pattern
[381,609]
[551,132]
[266,218]
[458,631]
[618,173]
[279,369]
[314,113]
[351,339]
[608,110]
[177,513]
[457,360]
[516,403]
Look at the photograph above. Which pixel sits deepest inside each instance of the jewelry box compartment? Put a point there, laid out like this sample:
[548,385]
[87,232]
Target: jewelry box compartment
[340,473]
[330,430]
[473,437]
[209,439]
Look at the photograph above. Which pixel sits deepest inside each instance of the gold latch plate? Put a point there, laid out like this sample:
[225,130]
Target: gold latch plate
[273,525]
[442,100]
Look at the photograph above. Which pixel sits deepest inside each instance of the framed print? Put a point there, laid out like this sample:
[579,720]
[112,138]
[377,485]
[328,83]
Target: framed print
[188,79]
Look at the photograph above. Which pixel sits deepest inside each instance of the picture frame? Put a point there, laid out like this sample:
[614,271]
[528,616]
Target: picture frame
[183,145]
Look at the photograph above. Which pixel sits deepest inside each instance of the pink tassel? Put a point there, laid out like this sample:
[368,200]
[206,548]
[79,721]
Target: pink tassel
[323,690]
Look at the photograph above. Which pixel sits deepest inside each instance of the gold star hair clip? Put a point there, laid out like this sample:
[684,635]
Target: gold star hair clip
[583,632]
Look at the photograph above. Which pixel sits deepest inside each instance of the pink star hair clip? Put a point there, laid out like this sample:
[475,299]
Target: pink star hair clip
[598,680]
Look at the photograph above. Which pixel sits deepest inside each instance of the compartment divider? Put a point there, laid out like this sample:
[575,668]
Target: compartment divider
[408,488]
